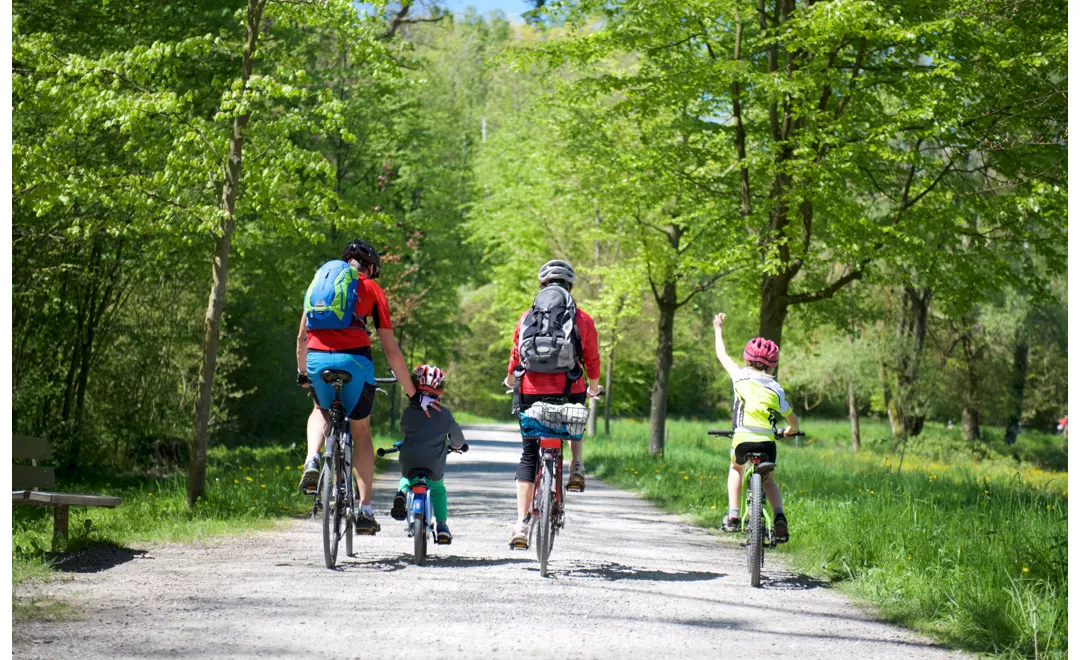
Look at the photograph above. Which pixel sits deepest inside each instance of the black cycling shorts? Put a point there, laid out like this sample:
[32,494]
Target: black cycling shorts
[530,447]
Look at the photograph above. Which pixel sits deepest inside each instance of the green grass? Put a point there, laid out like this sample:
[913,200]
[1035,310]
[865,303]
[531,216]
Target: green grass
[247,489]
[465,417]
[970,552]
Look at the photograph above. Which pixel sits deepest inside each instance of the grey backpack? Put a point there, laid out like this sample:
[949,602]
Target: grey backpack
[548,341]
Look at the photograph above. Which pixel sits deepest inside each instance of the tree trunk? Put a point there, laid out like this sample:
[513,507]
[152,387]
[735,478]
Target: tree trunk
[607,390]
[853,412]
[196,483]
[969,417]
[774,307]
[1016,387]
[911,336]
[664,348]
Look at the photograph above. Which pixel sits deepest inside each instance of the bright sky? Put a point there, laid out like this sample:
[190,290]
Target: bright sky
[512,8]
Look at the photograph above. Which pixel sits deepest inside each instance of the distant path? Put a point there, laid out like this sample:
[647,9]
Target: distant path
[629,582]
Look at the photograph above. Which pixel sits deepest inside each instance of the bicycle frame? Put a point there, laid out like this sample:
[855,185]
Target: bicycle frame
[418,502]
[744,503]
[550,454]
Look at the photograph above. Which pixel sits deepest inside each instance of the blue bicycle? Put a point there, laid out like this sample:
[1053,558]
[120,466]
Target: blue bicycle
[420,514]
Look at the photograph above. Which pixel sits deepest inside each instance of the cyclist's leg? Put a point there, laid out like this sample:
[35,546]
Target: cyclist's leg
[363,458]
[318,424]
[437,493]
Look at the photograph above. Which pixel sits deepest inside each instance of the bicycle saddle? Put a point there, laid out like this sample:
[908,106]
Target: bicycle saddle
[330,375]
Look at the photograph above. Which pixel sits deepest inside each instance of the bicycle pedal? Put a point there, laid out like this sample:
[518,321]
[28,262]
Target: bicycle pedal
[443,542]
[575,488]
[519,546]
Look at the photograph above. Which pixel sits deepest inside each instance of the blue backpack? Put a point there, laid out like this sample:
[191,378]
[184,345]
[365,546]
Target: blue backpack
[330,301]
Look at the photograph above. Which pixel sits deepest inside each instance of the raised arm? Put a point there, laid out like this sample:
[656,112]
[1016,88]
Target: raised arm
[721,352]
[301,346]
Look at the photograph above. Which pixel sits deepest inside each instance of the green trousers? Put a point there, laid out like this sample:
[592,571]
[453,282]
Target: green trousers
[437,493]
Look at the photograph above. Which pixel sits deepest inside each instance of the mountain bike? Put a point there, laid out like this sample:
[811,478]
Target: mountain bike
[756,519]
[420,513]
[336,495]
[552,423]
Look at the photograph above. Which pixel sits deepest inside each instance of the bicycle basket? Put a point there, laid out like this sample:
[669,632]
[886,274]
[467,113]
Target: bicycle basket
[555,421]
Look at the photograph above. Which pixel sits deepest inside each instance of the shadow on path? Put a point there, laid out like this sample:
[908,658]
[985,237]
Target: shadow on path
[613,571]
[96,558]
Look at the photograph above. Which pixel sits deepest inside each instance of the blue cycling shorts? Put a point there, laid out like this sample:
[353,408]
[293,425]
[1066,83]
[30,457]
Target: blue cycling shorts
[358,395]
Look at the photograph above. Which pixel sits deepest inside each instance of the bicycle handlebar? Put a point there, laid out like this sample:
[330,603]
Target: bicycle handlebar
[397,447]
[391,379]
[727,433]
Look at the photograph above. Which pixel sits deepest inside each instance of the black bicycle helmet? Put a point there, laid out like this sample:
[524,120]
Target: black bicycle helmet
[364,253]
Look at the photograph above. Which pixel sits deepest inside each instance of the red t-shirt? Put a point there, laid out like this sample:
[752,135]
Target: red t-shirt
[556,383]
[370,301]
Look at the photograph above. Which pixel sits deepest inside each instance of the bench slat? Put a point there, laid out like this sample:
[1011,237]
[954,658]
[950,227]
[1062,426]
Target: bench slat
[63,499]
[31,476]
[23,446]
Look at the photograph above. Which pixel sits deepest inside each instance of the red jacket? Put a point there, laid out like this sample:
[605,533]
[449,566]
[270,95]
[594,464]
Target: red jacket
[556,383]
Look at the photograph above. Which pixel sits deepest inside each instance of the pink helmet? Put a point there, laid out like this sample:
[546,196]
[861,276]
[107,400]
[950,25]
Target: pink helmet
[429,379]
[762,350]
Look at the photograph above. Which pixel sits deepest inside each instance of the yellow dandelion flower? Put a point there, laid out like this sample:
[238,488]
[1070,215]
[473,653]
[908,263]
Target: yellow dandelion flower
[657,471]
[262,485]
[685,478]
[713,506]
[235,481]
[248,479]
[288,467]
[1024,569]
[151,495]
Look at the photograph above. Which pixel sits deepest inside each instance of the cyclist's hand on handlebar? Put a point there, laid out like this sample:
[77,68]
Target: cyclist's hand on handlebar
[302,379]
[789,432]
[597,394]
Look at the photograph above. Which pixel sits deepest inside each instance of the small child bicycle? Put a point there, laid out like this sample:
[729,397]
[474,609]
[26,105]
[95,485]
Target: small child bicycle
[756,519]
[420,513]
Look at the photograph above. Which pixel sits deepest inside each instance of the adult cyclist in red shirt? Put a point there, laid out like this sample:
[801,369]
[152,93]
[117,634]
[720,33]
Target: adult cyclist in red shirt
[537,386]
[350,349]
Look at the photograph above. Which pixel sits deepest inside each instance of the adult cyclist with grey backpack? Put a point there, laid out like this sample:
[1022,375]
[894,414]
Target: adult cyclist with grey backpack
[552,341]
[334,335]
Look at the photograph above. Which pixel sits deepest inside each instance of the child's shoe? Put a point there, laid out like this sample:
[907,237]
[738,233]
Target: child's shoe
[442,534]
[397,511]
[780,528]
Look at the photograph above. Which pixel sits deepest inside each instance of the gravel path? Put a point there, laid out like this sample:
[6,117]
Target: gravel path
[628,581]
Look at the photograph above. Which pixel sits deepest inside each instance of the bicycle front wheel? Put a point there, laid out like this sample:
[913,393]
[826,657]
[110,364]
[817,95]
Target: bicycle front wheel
[545,532]
[755,546]
[353,499]
[419,534]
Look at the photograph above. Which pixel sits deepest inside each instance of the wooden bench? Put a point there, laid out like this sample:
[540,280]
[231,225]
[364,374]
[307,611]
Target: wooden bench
[27,482]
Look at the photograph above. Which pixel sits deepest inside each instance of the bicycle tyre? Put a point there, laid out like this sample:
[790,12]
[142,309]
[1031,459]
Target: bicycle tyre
[755,549]
[350,530]
[326,489]
[419,533]
[544,534]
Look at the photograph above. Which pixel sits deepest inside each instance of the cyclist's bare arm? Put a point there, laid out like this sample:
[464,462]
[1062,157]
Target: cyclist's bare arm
[396,360]
[793,424]
[301,345]
[721,352]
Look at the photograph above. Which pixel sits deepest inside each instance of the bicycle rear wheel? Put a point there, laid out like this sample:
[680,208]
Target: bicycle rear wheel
[326,495]
[545,533]
[353,499]
[419,534]
[755,547]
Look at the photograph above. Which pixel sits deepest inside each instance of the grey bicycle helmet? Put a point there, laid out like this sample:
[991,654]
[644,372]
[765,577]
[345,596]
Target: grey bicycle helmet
[556,269]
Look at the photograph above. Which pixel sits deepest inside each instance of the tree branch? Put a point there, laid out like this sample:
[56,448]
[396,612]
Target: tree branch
[829,291]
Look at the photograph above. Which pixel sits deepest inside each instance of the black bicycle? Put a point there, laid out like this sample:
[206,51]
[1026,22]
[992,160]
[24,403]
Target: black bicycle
[337,496]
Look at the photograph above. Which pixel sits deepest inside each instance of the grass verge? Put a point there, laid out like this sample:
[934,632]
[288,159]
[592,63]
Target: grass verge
[970,553]
[247,489]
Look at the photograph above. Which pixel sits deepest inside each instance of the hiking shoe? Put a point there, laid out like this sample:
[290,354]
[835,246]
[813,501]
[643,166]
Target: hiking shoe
[520,538]
[780,532]
[442,534]
[731,523]
[397,511]
[366,524]
[309,481]
[577,477]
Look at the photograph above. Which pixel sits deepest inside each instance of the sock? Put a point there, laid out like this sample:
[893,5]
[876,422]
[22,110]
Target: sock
[367,508]
[733,513]
[779,511]
[309,457]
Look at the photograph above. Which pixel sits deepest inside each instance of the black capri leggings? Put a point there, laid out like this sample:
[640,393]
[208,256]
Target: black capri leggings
[530,447]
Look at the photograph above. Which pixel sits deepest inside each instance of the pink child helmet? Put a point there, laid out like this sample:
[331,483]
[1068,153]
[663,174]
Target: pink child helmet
[762,350]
